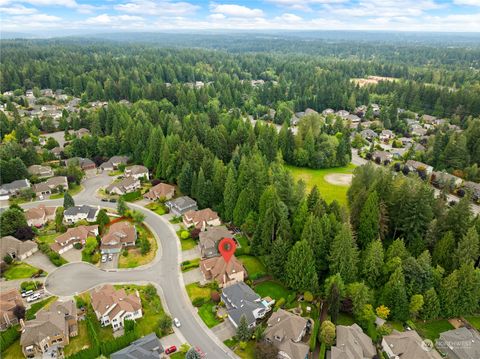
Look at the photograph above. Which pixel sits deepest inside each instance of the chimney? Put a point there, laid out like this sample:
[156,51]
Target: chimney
[22,325]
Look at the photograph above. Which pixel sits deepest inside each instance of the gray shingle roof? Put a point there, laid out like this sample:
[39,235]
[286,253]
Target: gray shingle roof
[240,300]
[148,347]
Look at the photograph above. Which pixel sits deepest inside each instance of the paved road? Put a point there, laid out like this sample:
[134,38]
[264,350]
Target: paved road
[164,272]
[358,161]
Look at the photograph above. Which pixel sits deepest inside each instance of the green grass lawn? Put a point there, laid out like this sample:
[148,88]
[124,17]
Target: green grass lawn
[158,208]
[73,190]
[328,191]
[254,267]
[431,330]
[132,196]
[81,341]
[135,257]
[243,241]
[195,291]
[345,319]
[47,238]
[190,265]
[248,352]
[188,243]
[208,316]
[177,355]
[397,325]
[20,270]
[474,320]
[14,351]
[35,307]
[273,290]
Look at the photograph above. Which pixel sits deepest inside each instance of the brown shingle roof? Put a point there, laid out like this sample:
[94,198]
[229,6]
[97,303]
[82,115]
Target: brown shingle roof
[161,190]
[217,269]
[105,297]
[120,232]
[39,212]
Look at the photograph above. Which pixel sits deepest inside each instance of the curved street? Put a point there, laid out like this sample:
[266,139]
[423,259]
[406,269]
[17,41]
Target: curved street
[164,272]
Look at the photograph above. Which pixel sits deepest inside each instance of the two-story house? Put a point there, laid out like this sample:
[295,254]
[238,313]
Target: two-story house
[77,213]
[120,235]
[65,241]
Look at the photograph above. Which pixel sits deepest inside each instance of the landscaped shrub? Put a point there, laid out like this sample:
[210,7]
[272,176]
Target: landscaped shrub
[198,302]
[30,285]
[314,335]
[215,296]
[291,297]
[52,255]
[80,302]
[184,235]
[117,344]
[280,303]
[125,253]
[88,353]
[77,245]
[308,296]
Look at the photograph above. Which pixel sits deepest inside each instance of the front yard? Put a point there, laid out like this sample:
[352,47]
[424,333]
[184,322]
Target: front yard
[201,298]
[134,258]
[248,352]
[186,241]
[157,207]
[73,190]
[255,268]
[20,270]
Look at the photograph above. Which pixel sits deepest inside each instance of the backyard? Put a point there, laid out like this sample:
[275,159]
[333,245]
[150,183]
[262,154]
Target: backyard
[255,268]
[328,190]
[432,329]
[20,270]
[474,321]
[272,289]
[81,341]
[134,257]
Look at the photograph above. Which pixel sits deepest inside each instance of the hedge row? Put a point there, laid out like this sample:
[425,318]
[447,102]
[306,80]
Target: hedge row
[52,255]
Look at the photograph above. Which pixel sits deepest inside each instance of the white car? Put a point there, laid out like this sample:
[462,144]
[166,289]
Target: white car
[110,257]
[27,293]
[176,322]
[34,297]
[104,258]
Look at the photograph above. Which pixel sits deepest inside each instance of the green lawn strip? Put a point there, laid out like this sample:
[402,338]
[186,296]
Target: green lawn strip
[248,352]
[206,312]
[115,173]
[188,243]
[231,342]
[156,207]
[14,351]
[190,264]
[254,266]
[73,190]
[432,329]
[47,238]
[20,270]
[35,307]
[474,321]
[272,289]
[328,191]
[81,341]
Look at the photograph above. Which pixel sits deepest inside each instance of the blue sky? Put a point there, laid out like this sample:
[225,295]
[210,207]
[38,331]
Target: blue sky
[67,16]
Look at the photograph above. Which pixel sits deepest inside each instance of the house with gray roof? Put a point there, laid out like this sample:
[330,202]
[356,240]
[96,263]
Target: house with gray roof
[285,331]
[473,188]
[460,343]
[125,185]
[419,167]
[40,171]
[240,300]
[407,345]
[179,206]
[84,163]
[77,213]
[368,134]
[113,163]
[147,347]
[352,342]
[13,188]
[51,185]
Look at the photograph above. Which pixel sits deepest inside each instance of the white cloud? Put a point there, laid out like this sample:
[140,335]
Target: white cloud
[71,4]
[467,2]
[235,10]
[158,8]
[304,5]
[216,16]
[17,10]
[288,18]
[106,19]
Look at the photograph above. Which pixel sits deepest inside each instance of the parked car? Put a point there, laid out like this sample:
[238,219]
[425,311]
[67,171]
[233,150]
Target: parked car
[171,349]
[104,258]
[104,200]
[33,297]
[176,322]
[28,293]
[113,200]
[110,257]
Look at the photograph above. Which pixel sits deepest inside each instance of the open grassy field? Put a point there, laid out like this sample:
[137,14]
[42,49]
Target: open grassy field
[19,270]
[327,190]
[206,312]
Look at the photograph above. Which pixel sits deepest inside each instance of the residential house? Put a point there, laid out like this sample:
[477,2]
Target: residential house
[125,185]
[368,134]
[39,216]
[16,249]
[417,147]
[386,135]
[285,331]
[419,167]
[9,299]
[353,118]
[120,235]
[79,234]
[460,343]
[208,240]
[382,157]
[161,191]
[147,347]
[429,119]
[113,163]
[13,188]
[407,345]
[137,172]
[406,141]
[294,121]
[84,163]
[225,273]
[77,213]
[473,188]
[417,131]
[112,307]
[40,171]
[240,300]
[201,218]
[181,205]
[445,179]
[352,342]
[52,328]
[58,183]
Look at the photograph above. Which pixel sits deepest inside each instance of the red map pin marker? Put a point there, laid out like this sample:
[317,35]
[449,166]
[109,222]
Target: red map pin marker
[226,248]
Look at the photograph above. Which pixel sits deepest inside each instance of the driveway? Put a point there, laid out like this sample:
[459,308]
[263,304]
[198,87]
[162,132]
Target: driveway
[72,255]
[40,260]
[170,340]
[224,330]
[193,276]
[191,254]
[113,264]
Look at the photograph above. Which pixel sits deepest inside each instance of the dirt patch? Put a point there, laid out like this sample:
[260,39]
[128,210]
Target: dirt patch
[456,323]
[339,179]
